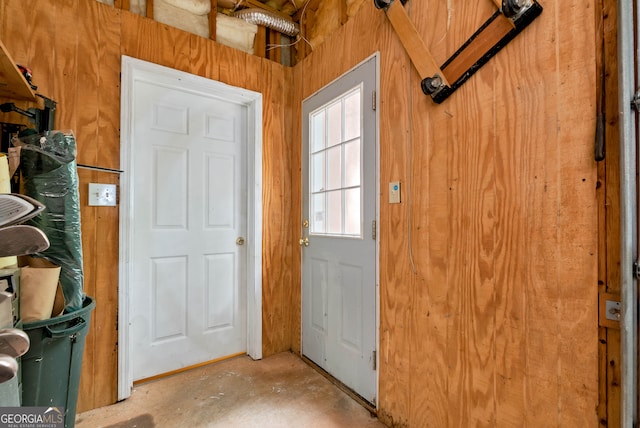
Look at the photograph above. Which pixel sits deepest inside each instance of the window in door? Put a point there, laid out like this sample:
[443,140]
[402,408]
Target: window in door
[335,157]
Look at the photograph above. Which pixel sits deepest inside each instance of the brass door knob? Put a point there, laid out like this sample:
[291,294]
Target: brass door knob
[304,241]
[240,241]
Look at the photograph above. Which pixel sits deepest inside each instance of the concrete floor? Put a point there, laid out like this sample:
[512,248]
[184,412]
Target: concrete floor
[279,391]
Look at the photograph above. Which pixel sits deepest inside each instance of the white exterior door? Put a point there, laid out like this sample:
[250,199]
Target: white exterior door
[339,257]
[188,291]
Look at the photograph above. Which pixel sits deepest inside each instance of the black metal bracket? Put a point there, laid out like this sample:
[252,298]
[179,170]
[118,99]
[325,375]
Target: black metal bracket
[43,119]
[521,20]
[440,82]
[384,4]
[512,8]
[8,131]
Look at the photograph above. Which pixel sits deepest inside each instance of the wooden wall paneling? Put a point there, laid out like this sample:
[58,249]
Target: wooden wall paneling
[516,163]
[86,109]
[471,295]
[466,270]
[154,42]
[253,79]
[103,379]
[237,68]
[3,20]
[28,46]
[287,117]
[527,341]
[614,378]
[272,288]
[471,279]
[277,237]
[86,395]
[96,119]
[109,60]
[229,71]
[85,114]
[5,35]
[361,34]
[102,382]
[430,225]
[343,12]
[204,57]
[543,269]
[294,112]
[64,46]
[396,278]
[578,218]
[181,50]
[501,274]
[612,211]
[602,220]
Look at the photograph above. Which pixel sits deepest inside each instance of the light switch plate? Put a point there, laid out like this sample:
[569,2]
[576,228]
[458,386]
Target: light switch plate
[394,192]
[102,194]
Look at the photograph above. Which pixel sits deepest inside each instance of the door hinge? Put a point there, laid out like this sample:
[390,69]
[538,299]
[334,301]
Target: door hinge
[636,270]
[374,232]
[635,101]
[374,356]
[373,101]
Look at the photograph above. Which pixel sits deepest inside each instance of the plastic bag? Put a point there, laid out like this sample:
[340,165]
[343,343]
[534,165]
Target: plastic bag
[49,174]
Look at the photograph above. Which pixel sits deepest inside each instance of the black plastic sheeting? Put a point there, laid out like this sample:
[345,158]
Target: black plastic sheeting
[49,174]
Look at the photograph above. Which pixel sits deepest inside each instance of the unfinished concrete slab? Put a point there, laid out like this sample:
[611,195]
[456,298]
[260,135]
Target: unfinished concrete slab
[279,391]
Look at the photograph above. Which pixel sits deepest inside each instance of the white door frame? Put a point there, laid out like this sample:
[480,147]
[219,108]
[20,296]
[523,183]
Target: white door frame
[253,101]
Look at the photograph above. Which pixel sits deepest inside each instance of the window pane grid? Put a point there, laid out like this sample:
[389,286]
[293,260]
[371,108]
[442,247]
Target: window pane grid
[335,167]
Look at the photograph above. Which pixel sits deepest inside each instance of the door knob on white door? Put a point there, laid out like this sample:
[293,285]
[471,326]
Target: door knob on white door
[240,241]
[304,241]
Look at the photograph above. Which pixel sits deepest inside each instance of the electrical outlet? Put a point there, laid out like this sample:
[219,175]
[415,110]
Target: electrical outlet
[102,194]
[394,192]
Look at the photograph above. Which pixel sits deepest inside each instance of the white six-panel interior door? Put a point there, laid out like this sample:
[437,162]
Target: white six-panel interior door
[192,221]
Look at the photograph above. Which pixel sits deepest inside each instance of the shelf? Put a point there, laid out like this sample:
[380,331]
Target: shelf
[13,85]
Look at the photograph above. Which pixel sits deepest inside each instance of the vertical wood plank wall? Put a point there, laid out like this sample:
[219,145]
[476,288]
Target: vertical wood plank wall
[609,216]
[74,49]
[497,324]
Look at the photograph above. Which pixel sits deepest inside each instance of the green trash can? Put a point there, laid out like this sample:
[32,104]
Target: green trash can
[51,368]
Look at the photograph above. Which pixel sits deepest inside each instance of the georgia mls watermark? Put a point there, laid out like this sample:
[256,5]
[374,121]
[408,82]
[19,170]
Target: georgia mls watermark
[31,417]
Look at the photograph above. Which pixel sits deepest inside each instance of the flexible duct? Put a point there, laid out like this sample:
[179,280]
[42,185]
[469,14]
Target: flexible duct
[269,20]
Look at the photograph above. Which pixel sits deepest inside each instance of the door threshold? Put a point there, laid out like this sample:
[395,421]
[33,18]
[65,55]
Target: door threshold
[344,388]
[184,369]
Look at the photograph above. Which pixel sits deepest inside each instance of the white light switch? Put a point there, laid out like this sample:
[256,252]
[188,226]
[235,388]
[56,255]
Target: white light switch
[102,194]
[394,192]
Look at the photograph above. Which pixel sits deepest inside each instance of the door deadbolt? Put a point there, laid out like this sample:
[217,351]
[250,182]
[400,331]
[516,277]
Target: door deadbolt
[240,241]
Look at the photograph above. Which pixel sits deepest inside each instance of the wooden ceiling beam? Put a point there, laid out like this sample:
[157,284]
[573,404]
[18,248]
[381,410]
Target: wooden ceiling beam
[213,17]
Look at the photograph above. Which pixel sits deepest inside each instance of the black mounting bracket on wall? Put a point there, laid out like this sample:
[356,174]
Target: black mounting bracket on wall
[43,119]
[7,132]
[503,26]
